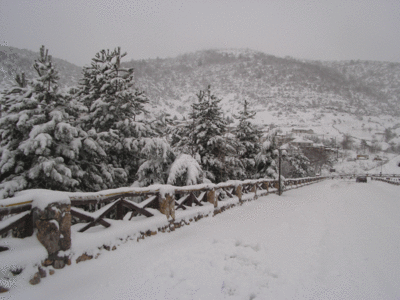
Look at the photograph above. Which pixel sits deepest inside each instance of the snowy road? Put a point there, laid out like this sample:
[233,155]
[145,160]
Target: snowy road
[330,240]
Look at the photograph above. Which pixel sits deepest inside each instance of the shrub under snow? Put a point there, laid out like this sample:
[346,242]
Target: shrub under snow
[185,170]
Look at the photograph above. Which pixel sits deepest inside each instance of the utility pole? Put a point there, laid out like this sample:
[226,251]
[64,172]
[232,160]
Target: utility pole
[280,171]
[337,150]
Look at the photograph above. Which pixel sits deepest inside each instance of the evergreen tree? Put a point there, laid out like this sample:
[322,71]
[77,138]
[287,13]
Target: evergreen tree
[157,159]
[347,142]
[204,138]
[266,159]
[107,90]
[248,137]
[162,124]
[50,140]
[97,173]
[17,118]
[389,135]
[297,166]
[38,145]
[114,106]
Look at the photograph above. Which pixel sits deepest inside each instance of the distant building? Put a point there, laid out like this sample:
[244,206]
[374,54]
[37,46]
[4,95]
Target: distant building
[283,139]
[302,130]
[362,156]
[320,145]
[300,142]
[380,136]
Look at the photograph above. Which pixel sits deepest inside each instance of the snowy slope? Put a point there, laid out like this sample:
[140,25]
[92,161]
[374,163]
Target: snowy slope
[330,240]
[285,92]
[391,167]
[14,61]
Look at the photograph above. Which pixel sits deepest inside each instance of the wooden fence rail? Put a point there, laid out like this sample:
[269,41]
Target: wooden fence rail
[55,217]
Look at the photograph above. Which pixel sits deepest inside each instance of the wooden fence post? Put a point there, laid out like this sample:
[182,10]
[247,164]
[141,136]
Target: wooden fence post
[167,204]
[238,192]
[254,190]
[265,185]
[276,184]
[120,211]
[211,197]
[29,225]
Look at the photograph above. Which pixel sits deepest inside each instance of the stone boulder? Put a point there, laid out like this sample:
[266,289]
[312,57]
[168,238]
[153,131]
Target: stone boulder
[54,227]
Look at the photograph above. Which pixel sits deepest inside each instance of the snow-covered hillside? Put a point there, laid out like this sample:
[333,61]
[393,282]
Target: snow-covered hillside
[331,240]
[390,167]
[13,61]
[358,98]
[285,92]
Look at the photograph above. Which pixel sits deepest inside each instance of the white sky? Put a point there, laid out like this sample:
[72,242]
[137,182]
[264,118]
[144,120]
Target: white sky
[324,29]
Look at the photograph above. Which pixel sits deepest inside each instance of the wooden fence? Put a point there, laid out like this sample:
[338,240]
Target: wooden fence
[388,179]
[52,221]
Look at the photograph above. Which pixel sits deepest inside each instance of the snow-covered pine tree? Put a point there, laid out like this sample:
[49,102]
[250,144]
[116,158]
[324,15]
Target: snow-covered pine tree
[157,157]
[296,165]
[114,106]
[205,137]
[162,124]
[38,147]
[266,160]
[107,90]
[18,107]
[182,137]
[97,174]
[248,137]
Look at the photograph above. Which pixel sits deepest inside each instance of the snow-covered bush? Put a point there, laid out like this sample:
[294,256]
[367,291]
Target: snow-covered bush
[265,160]
[158,156]
[185,170]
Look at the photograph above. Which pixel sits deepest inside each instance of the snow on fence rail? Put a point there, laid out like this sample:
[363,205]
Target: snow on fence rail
[53,213]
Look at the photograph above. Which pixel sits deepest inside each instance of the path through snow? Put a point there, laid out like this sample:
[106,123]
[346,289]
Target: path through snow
[331,240]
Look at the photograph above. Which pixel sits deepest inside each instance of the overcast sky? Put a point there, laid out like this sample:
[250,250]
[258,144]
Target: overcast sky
[325,29]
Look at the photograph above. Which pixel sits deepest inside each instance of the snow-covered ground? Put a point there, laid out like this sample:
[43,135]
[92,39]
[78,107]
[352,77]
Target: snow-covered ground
[391,167]
[330,240]
[370,166]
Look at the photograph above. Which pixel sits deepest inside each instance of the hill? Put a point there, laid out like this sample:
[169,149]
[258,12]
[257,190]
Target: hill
[360,87]
[357,98]
[381,78]
[271,81]
[14,61]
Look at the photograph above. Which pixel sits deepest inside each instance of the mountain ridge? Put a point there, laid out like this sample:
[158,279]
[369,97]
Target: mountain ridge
[359,87]
[259,76]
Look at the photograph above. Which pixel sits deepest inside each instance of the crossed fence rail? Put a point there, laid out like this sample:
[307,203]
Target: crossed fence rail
[17,218]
